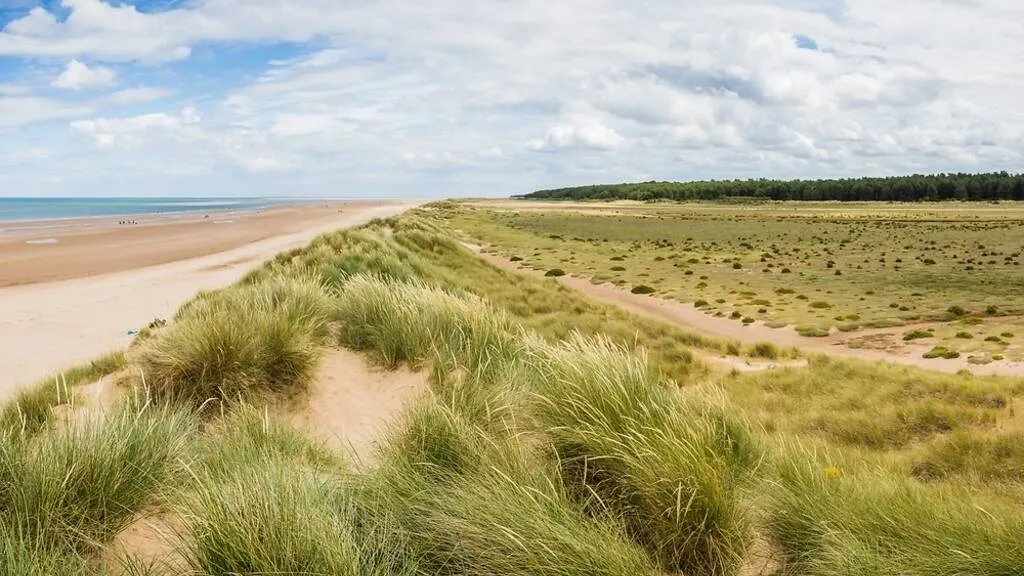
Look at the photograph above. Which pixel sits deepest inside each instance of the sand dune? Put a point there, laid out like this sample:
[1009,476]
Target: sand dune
[45,327]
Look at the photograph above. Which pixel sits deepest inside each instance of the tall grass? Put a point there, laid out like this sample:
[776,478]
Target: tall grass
[867,521]
[239,342]
[671,467]
[468,502]
[411,322]
[278,519]
[74,487]
[20,556]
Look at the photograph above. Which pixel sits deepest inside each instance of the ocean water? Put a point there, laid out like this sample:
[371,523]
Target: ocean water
[19,209]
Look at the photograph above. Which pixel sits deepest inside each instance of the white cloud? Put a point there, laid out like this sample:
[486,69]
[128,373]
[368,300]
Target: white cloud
[459,96]
[77,75]
[590,136]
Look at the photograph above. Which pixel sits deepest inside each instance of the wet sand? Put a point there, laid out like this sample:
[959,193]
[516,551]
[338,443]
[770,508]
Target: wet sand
[46,251]
[121,279]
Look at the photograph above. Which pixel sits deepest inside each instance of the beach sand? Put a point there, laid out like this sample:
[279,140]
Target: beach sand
[67,302]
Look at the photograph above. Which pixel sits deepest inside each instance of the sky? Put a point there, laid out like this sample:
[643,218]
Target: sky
[444,98]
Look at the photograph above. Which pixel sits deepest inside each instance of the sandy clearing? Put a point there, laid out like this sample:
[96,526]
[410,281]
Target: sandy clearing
[49,326]
[689,316]
[149,540]
[351,402]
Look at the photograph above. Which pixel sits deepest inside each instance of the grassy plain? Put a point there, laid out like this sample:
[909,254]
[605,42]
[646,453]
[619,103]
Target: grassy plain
[814,266]
[560,436]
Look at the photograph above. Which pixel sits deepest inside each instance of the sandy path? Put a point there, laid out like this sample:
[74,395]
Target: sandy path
[50,326]
[690,317]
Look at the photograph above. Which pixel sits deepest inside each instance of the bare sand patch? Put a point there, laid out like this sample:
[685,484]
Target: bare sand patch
[150,540]
[350,402]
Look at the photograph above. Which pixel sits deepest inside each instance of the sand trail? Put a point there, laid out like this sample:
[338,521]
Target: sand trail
[688,316]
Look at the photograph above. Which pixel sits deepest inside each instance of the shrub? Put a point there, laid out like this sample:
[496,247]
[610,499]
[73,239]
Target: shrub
[748,320]
[764,350]
[956,311]
[238,342]
[737,266]
[820,305]
[917,335]
[618,268]
[1007,334]
[736,315]
[782,291]
[964,335]
[991,310]
[555,273]
[787,271]
[642,289]
[515,259]
[995,339]
[941,352]
[812,331]
[700,303]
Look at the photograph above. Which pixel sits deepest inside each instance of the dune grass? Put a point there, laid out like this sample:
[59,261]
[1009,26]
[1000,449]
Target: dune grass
[671,466]
[71,488]
[239,342]
[31,408]
[469,502]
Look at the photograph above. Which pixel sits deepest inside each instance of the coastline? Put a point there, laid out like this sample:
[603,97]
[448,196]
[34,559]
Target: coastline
[47,250]
[47,325]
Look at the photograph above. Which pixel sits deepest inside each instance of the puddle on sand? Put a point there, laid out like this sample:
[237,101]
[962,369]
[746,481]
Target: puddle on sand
[43,241]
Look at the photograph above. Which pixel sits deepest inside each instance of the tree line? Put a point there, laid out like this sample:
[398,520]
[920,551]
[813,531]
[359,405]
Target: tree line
[915,188]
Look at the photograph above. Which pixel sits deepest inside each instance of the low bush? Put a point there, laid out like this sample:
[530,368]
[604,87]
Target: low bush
[941,352]
[812,331]
[917,335]
[642,289]
[554,273]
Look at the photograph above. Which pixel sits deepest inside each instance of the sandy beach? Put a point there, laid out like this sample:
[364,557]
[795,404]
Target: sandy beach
[72,294]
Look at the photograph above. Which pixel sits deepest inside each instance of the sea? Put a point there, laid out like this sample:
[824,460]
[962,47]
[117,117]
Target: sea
[19,209]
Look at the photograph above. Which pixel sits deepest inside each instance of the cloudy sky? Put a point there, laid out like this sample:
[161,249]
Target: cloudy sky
[489,97]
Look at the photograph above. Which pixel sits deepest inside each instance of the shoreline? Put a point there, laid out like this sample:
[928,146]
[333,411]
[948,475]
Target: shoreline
[49,326]
[36,253]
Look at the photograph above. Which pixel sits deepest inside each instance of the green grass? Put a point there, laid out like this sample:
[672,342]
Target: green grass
[671,467]
[829,518]
[70,488]
[236,343]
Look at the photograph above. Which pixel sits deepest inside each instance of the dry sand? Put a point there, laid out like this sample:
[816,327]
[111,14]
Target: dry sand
[47,326]
[350,403]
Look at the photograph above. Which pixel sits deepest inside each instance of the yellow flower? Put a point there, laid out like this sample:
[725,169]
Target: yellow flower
[832,472]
